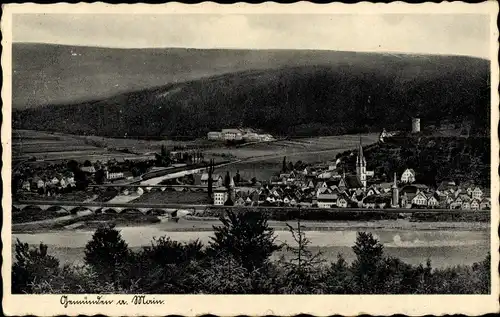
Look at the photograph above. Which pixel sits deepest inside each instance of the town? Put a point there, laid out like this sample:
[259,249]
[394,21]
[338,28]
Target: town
[299,184]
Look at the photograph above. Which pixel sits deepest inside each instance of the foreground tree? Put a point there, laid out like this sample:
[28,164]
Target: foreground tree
[247,237]
[107,253]
[303,268]
[369,256]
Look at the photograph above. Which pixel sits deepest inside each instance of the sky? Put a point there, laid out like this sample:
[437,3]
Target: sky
[456,34]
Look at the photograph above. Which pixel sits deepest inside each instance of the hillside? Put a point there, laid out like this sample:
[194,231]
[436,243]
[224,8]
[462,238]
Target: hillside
[434,159]
[54,74]
[294,93]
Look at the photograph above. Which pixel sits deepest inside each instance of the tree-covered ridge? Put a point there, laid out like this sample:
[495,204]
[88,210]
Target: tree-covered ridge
[345,96]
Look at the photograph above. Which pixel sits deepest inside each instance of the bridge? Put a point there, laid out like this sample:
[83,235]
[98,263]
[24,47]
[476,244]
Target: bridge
[148,208]
[73,207]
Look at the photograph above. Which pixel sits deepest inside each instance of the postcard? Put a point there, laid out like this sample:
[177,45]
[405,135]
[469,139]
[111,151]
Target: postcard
[243,159]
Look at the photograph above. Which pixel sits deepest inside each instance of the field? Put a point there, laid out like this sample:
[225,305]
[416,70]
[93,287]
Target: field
[45,146]
[257,160]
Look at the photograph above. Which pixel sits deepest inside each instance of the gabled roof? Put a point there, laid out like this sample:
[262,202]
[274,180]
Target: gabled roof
[411,170]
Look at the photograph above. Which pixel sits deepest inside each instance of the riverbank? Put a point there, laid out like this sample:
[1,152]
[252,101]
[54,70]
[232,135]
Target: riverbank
[190,223]
[414,243]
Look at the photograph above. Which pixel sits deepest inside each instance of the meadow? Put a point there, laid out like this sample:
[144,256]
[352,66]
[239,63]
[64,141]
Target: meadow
[263,160]
[257,160]
[47,146]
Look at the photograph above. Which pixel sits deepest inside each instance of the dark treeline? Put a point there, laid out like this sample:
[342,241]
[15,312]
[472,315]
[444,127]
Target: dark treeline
[289,101]
[237,260]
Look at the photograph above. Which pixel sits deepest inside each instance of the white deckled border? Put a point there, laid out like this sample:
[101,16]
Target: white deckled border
[320,305]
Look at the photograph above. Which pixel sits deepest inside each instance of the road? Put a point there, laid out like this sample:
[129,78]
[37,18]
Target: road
[197,206]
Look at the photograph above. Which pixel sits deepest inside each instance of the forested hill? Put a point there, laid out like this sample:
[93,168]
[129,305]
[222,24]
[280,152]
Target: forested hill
[349,93]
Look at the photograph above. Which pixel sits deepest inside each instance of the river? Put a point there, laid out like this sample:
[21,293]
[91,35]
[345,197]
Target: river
[444,247]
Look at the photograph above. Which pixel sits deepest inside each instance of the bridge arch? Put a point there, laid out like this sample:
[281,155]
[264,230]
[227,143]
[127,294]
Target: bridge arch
[156,212]
[28,207]
[75,210]
[131,211]
[59,209]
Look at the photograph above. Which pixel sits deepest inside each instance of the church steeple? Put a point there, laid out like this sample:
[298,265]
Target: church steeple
[361,164]
[395,184]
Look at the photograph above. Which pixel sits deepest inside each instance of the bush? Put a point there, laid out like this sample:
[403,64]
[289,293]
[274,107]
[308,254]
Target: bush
[32,265]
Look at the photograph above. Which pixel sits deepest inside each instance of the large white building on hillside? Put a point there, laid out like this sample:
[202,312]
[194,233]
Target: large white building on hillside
[247,135]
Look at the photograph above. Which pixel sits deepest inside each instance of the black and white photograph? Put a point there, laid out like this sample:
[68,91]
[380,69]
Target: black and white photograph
[222,152]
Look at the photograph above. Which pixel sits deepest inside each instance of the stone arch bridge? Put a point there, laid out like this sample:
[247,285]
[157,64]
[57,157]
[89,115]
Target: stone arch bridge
[112,208]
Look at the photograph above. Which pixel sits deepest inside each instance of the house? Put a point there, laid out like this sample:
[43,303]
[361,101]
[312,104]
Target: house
[475,204]
[63,182]
[466,205]
[433,201]
[220,196]
[26,186]
[239,202]
[342,201]
[327,200]
[88,169]
[71,181]
[477,193]
[291,177]
[456,204]
[485,204]
[114,176]
[54,180]
[408,176]
[231,134]
[419,200]
[216,180]
[214,136]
